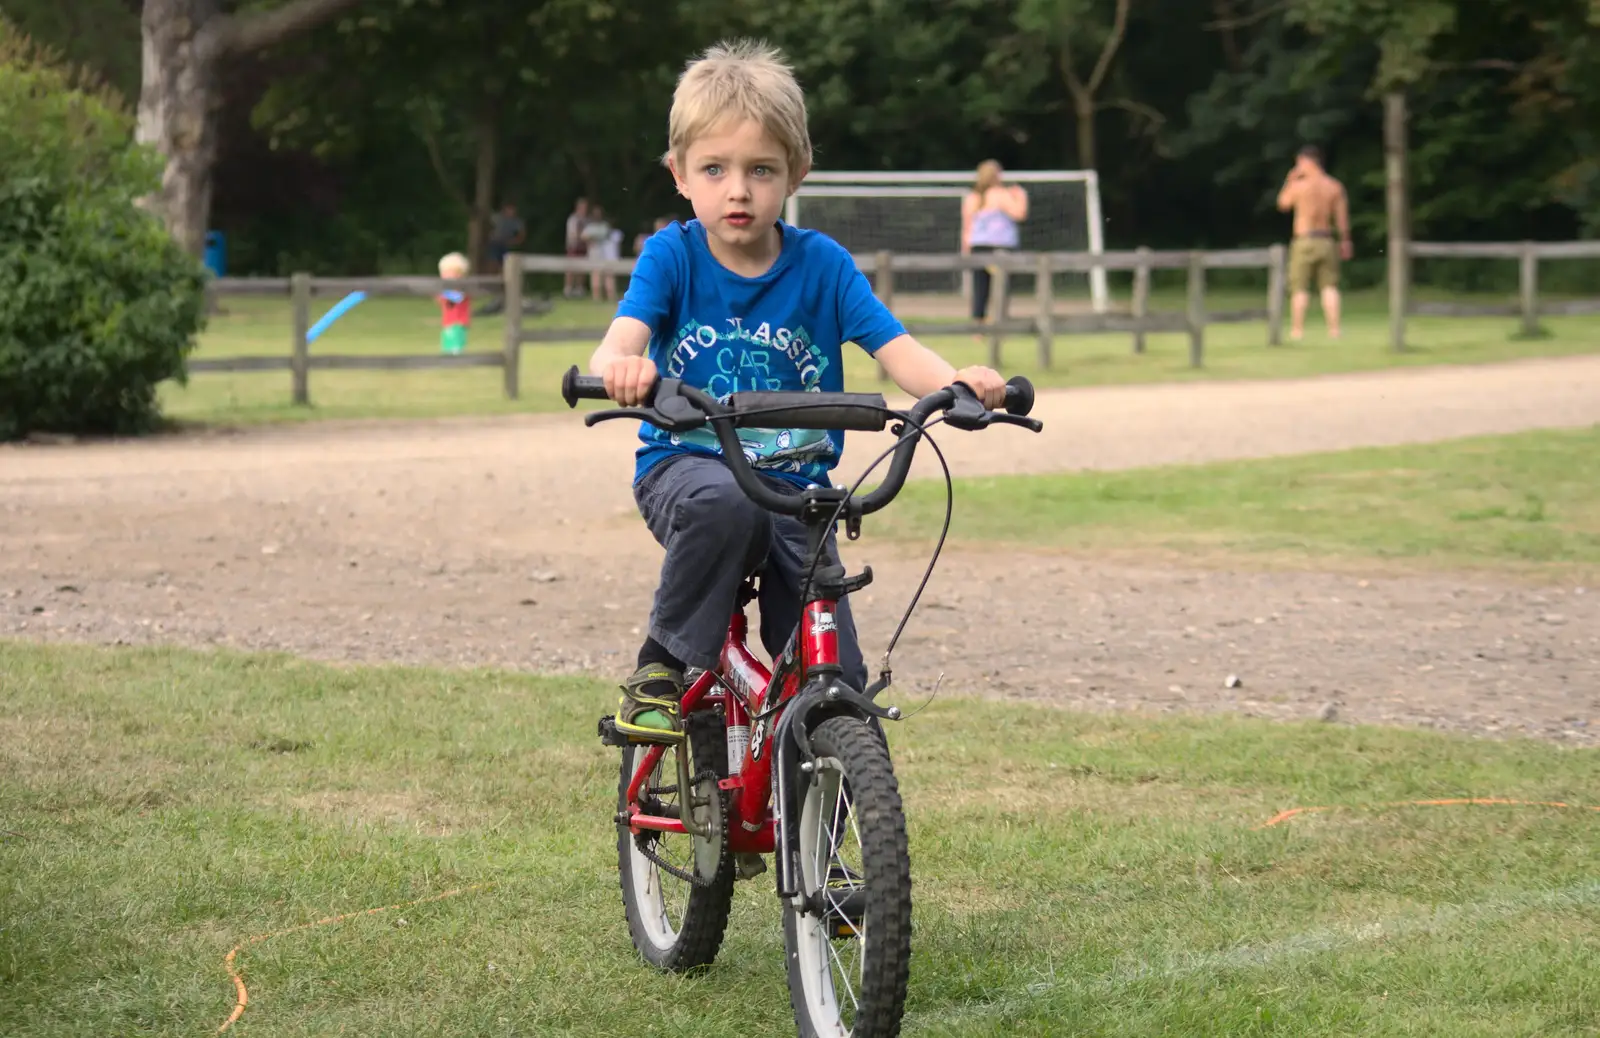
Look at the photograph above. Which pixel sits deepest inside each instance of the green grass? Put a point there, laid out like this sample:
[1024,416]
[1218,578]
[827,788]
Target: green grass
[1073,873]
[1525,500]
[258,326]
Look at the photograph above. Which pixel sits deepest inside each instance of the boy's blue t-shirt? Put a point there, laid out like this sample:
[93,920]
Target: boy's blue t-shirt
[723,333]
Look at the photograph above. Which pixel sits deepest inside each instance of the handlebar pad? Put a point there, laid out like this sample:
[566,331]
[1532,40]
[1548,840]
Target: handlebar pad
[864,412]
[575,387]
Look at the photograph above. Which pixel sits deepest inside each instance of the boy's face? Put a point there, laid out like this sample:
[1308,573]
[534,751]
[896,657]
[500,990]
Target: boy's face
[737,178]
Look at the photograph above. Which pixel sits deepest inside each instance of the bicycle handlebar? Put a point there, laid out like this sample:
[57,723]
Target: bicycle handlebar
[676,407]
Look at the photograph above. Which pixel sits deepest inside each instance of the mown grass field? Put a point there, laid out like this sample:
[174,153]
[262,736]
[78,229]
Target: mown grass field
[1073,874]
[1529,502]
[254,326]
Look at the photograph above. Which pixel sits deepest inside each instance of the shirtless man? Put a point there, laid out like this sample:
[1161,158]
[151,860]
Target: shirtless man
[1318,201]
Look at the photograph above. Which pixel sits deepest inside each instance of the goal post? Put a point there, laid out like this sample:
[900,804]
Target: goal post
[920,212]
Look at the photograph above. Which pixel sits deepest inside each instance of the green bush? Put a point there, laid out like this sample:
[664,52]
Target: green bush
[97,304]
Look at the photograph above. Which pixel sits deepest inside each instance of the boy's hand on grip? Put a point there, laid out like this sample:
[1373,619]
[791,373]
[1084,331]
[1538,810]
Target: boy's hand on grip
[629,380]
[986,384]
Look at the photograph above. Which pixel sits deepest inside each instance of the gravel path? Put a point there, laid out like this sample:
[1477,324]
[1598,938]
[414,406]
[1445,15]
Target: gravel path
[514,542]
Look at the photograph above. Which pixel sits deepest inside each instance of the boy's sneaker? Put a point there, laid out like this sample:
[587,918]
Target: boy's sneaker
[648,711]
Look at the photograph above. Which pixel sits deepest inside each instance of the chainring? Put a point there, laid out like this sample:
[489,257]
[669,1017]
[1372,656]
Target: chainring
[705,851]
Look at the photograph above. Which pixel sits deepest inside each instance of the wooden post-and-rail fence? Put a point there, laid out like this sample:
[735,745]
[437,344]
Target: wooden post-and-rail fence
[1047,322]
[302,288]
[1528,255]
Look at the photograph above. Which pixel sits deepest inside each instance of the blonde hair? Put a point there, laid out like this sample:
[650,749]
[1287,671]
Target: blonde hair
[740,79]
[988,176]
[455,261]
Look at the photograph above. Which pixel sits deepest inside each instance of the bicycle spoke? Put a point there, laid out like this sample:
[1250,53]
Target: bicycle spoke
[844,975]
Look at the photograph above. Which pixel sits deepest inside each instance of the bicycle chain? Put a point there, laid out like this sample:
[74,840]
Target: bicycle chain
[647,839]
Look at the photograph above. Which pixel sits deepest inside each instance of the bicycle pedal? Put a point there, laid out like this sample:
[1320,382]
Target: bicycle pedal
[609,734]
[749,865]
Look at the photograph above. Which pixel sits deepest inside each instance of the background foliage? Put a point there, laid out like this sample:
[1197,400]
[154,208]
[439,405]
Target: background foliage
[368,147]
[97,303]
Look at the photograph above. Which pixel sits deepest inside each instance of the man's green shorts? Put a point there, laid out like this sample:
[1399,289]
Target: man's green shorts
[1313,254]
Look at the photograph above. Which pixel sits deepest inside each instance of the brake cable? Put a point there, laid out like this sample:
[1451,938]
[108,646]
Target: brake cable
[885,674]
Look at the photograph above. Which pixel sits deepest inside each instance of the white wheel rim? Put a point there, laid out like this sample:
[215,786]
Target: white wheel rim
[649,891]
[830,983]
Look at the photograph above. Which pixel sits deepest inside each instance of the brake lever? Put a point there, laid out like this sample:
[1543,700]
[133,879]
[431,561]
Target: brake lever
[1002,418]
[646,414]
[669,410]
[966,411]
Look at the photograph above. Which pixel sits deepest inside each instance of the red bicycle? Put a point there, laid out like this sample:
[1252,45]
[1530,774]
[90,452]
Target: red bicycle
[793,761]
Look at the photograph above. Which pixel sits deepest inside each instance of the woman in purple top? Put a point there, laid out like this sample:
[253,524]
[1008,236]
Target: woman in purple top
[990,213]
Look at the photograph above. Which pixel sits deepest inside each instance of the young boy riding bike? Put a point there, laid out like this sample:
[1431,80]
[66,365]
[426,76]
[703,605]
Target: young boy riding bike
[735,301]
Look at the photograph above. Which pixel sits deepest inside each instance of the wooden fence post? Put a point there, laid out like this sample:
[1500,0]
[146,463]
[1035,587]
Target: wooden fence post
[299,357]
[1277,275]
[1528,281]
[883,279]
[1195,316]
[995,341]
[1044,299]
[1141,295]
[511,366]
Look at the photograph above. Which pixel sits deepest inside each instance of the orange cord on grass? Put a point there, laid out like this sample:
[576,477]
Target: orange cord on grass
[1284,816]
[243,997]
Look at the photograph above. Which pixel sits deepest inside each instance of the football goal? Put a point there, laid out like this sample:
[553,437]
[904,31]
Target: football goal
[902,212]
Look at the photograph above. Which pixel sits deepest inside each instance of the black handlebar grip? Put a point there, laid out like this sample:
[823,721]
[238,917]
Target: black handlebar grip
[575,387]
[1019,395]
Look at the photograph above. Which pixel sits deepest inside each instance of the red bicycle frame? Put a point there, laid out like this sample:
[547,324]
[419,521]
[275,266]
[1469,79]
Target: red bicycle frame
[741,685]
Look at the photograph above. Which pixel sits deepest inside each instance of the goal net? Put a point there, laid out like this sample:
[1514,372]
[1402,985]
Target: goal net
[907,213]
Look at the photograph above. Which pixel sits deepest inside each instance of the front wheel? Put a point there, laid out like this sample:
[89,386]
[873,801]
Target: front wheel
[849,939]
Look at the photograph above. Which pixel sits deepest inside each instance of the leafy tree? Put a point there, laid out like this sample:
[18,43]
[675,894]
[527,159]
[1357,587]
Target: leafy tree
[1081,39]
[1495,111]
[490,100]
[101,35]
[97,303]
[382,141]
[185,44]
[897,84]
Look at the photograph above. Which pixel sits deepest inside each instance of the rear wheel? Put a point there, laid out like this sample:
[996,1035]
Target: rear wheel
[677,888]
[849,942]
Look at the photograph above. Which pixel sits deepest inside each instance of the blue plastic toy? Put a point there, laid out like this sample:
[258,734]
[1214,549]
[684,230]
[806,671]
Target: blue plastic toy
[335,312]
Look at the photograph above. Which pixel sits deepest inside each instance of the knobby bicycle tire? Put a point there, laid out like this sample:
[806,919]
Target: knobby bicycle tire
[882,893]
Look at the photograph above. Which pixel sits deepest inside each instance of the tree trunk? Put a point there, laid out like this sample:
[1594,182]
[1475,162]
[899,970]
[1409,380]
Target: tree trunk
[1083,106]
[1399,214]
[177,113]
[1226,23]
[487,130]
[184,43]
[1085,91]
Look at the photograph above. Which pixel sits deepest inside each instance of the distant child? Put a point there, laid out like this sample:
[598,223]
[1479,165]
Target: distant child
[455,307]
[736,299]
